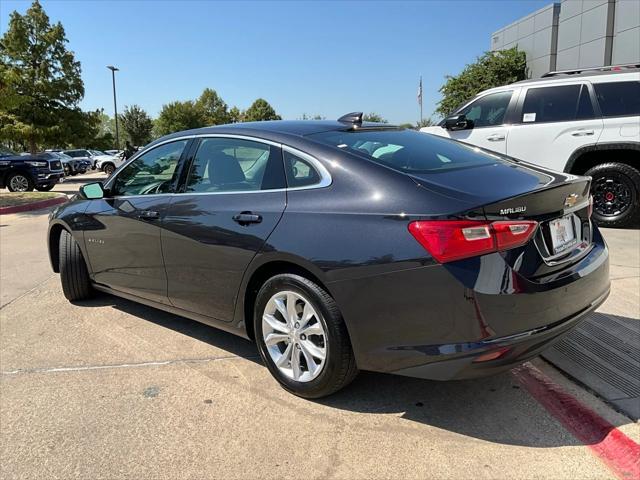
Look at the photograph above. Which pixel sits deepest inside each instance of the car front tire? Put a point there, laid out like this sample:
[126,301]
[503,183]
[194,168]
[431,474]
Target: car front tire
[109,168]
[302,337]
[74,276]
[19,182]
[616,196]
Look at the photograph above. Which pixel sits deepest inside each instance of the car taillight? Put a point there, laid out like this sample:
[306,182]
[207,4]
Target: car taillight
[449,240]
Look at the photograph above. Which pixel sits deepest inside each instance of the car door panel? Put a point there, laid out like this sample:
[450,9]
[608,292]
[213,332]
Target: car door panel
[207,252]
[123,244]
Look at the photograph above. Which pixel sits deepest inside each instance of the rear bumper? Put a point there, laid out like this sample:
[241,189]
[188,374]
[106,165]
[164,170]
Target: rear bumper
[434,321]
[509,351]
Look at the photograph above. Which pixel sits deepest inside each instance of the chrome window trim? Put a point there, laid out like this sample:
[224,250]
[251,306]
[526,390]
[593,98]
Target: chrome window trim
[325,177]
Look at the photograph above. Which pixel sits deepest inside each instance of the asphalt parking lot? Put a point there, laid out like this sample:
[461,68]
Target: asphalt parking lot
[112,389]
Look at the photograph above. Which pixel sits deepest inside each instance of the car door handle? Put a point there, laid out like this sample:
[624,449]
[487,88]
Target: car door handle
[496,137]
[148,215]
[582,133]
[245,218]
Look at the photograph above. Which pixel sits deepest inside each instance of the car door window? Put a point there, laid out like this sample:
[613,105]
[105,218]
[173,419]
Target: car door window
[488,111]
[233,164]
[618,99]
[551,104]
[151,173]
[300,172]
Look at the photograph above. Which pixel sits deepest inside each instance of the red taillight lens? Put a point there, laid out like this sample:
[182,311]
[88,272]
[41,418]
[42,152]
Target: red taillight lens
[449,240]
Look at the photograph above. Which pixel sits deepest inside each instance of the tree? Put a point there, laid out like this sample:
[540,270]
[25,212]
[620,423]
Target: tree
[425,122]
[373,117]
[235,115]
[317,116]
[137,124]
[177,116]
[260,110]
[40,84]
[214,110]
[492,69]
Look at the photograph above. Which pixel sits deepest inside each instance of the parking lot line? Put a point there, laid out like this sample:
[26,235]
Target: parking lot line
[620,453]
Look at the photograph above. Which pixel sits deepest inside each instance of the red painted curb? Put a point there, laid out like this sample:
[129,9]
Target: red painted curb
[34,206]
[620,453]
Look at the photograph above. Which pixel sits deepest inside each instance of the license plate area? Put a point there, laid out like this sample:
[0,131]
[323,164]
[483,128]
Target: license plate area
[563,234]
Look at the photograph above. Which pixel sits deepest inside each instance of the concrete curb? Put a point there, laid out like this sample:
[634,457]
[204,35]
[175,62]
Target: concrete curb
[34,205]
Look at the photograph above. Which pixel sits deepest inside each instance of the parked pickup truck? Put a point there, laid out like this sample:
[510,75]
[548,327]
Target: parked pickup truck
[23,173]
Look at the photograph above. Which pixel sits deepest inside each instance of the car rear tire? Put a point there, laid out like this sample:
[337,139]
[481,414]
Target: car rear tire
[616,196]
[74,276]
[19,182]
[45,188]
[109,168]
[302,337]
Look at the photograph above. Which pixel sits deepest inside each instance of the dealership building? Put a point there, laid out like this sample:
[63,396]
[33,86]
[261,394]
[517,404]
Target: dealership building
[575,34]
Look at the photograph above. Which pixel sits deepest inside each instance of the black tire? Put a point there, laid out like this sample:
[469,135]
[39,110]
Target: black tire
[74,276]
[616,194]
[45,188]
[19,178]
[340,365]
[109,168]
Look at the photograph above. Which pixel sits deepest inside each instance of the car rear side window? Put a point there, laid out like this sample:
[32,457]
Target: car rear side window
[232,164]
[407,150]
[556,104]
[618,99]
[300,172]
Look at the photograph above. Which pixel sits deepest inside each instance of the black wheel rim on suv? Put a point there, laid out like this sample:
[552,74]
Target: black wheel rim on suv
[612,194]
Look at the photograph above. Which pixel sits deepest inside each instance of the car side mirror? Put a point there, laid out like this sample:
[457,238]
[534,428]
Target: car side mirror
[92,191]
[457,122]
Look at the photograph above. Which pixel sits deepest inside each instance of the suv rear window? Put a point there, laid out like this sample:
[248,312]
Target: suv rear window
[406,150]
[618,99]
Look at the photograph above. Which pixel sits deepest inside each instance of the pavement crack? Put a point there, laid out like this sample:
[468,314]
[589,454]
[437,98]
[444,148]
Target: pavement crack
[158,363]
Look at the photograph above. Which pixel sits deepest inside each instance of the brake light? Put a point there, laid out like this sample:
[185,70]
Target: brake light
[449,240]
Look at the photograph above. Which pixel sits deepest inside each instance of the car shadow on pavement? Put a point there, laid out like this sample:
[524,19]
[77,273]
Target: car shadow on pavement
[495,409]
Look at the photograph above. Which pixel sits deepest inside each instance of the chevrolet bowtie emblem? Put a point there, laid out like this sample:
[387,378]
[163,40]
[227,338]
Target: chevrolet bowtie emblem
[571,200]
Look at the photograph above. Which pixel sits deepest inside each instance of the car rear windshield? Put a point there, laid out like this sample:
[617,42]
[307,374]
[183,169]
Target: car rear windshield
[406,150]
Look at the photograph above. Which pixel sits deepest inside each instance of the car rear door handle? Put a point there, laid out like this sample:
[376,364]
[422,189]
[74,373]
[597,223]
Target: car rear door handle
[245,218]
[148,215]
[496,137]
[582,133]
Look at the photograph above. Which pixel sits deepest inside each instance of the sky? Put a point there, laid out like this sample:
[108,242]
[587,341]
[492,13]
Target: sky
[303,57]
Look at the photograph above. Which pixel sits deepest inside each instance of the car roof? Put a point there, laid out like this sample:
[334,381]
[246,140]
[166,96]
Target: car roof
[276,130]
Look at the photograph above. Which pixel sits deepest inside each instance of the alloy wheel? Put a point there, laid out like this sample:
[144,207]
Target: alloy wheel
[295,336]
[19,183]
[611,194]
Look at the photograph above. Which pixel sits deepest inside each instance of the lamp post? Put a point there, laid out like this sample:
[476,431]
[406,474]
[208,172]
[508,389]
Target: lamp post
[115,104]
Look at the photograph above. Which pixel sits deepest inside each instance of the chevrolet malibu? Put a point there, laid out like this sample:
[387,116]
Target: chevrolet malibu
[340,246]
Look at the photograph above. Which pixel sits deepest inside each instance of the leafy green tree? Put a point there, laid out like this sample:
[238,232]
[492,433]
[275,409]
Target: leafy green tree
[410,126]
[312,117]
[177,116]
[373,117]
[214,109]
[235,115]
[40,83]
[137,124]
[260,110]
[426,122]
[492,69]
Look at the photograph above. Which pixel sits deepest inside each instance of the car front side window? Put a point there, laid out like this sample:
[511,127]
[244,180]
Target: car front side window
[151,173]
[488,111]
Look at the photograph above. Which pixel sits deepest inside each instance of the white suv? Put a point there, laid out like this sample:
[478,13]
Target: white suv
[582,122]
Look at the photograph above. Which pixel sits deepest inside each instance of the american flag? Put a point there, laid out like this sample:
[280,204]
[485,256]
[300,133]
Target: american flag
[420,92]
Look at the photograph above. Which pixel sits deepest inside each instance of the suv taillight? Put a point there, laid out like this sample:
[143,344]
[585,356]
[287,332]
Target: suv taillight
[449,240]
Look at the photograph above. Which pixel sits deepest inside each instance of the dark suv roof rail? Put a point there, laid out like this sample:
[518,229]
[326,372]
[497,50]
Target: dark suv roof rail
[606,68]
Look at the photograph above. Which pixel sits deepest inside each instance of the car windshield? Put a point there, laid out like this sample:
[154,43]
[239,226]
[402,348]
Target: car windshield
[406,150]
[97,152]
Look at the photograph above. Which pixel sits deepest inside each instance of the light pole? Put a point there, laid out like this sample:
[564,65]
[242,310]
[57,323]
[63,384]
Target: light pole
[115,104]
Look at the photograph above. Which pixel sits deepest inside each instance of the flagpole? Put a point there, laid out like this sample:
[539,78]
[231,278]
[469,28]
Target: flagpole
[420,97]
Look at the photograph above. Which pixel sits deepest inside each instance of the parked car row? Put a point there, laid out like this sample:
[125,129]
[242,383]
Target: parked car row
[23,173]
